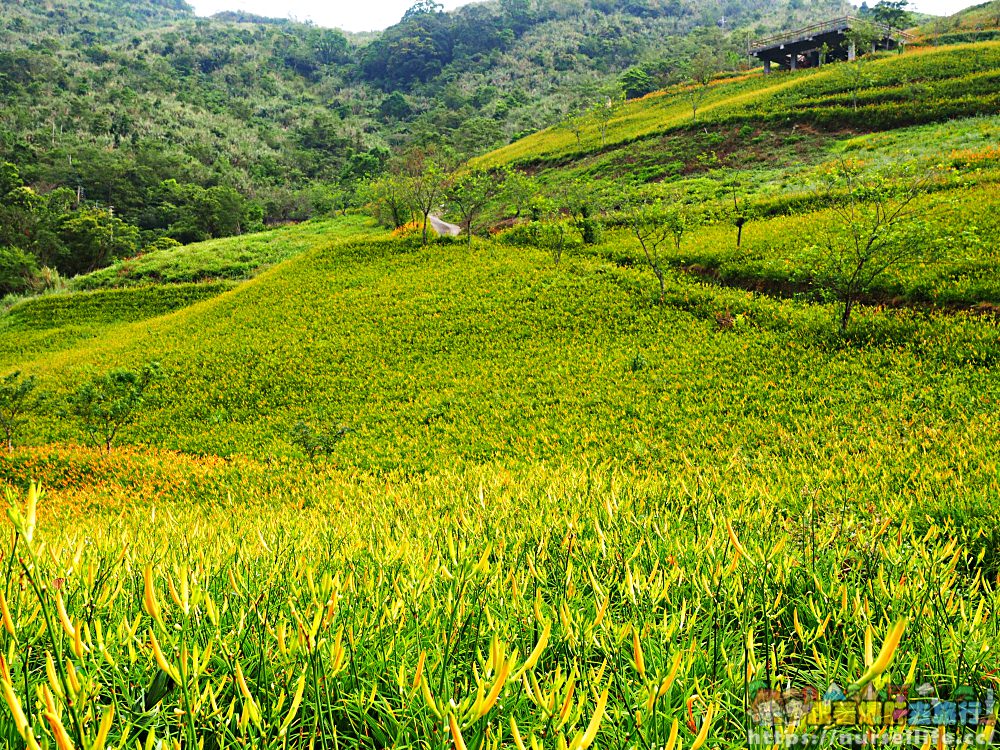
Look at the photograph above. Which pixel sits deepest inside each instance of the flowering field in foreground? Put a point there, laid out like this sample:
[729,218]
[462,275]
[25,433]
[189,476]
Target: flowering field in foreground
[485,607]
[565,516]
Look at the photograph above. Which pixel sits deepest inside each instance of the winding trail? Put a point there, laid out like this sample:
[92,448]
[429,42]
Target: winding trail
[444,228]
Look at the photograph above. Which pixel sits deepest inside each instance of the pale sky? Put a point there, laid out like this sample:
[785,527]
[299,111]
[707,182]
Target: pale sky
[371,15]
[350,15]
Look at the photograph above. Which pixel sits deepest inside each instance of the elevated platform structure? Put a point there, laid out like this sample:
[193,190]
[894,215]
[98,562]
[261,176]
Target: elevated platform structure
[804,48]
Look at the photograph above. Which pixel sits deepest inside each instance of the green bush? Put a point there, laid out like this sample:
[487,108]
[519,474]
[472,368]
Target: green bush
[317,441]
[18,271]
[110,401]
[17,400]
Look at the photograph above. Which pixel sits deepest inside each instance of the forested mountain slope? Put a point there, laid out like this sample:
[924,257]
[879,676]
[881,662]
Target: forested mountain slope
[115,98]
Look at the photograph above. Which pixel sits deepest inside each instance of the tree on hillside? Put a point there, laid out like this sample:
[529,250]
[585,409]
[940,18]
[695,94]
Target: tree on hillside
[426,184]
[517,13]
[422,7]
[108,402]
[191,213]
[636,83]
[583,203]
[575,122]
[18,270]
[519,191]
[652,226]
[862,36]
[470,193]
[701,70]
[93,238]
[547,230]
[552,237]
[679,219]
[17,400]
[318,441]
[869,238]
[388,199]
[10,178]
[604,110]
[892,13]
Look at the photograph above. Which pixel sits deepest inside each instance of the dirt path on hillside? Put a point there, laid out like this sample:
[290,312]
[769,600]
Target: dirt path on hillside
[444,228]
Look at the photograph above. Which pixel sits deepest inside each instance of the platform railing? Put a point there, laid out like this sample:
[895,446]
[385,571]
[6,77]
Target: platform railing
[836,24]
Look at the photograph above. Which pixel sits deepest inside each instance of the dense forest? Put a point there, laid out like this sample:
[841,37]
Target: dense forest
[127,124]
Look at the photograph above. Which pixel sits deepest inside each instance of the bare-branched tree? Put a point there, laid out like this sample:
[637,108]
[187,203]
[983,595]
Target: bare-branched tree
[869,237]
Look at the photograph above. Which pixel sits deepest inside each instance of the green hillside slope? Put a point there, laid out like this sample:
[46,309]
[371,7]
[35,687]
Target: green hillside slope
[271,107]
[894,91]
[563,504]
[438,356]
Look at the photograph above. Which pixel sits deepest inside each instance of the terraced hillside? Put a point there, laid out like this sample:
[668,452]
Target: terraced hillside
[927,85]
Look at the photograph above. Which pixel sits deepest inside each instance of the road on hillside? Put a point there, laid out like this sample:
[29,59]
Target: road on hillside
[444,228]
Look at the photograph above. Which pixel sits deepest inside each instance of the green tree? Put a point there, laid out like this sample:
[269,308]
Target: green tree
[93,238]
[395,107]
[678,220]
[855,73]
[10,178]
[423,7]
[891,13]
[388,199]
[18,270]
[575,122]
[702,68]
[469,194]
[861,37]
[191,213]
[584,203]
[604,111]
[636,83]
[519,190]
[552,237]
[653,225]
[17,401]
[317,441]
[110,401]
[426,185]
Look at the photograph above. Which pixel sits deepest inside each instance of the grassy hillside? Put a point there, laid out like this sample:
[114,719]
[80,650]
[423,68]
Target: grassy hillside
[772,143]
[293,116]
[976,23]
[230,258]
[541,458]
[102,304]
[562,515]
[928,85]
[437,356]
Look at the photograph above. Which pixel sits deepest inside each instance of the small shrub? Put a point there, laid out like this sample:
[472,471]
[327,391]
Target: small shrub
[317,441]
[520,235]
[161,243]
[552,237]
[638,363]
[410,229]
